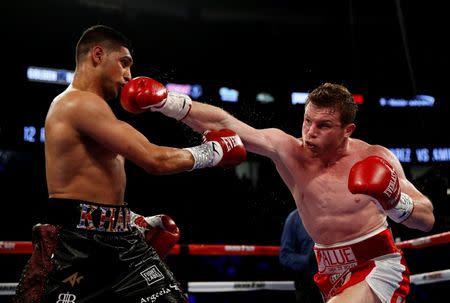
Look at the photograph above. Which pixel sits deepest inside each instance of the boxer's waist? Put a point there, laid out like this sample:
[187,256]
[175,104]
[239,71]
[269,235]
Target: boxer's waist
[85,215]
[342,257]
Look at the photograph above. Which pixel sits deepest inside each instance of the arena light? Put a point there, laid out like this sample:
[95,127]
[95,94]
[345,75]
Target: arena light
[31,134]
[359,99]
[440,154]
[403,154]
[49,75]
[228,94]
[263,97]
[417,101]
[298,97]
[422,154]
[194,90]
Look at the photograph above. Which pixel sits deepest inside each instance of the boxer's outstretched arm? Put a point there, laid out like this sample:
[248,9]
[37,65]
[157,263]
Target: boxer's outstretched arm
[264,142]
[204,116]
[147,94]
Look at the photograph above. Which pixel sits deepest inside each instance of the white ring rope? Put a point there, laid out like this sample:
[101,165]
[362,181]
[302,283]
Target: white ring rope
[431,277]
[239,286]
[8,289]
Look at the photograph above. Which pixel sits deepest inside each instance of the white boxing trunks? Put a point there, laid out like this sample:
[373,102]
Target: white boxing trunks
[373,258]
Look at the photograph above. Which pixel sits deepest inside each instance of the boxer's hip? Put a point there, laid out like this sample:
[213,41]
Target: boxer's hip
[339,258]
[88,216]
[84,266]
[348,263]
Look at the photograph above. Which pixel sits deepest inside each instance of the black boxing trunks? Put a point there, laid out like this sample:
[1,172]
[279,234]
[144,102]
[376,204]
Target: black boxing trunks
[373,258]
[87,252]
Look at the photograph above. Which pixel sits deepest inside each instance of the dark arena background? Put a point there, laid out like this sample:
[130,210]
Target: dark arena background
[254,59]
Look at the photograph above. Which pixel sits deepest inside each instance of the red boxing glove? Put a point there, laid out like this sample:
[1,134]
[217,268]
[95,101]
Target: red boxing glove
[374,176]
[220,148]
[142,93]
[159,231]
[233,149]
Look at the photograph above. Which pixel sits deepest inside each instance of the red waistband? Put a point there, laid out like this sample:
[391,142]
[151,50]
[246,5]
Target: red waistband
[356,253]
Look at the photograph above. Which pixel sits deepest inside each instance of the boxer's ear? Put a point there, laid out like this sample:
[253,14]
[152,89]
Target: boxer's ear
[97,54]
[349,129]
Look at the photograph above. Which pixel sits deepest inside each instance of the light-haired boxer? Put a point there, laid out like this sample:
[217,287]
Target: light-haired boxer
[86,249]
[343,187]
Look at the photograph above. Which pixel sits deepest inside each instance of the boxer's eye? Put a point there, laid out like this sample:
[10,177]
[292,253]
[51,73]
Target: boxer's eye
[125,62]
[324,126]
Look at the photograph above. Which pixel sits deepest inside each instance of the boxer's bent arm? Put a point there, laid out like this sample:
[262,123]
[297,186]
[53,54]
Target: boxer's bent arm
[95,119]
[259,141]
[422,217]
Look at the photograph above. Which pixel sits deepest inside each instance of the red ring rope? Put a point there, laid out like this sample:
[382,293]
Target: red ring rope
[25,247]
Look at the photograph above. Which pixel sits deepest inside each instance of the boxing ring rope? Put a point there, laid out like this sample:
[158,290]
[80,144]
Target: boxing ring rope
[25,247]
[418,279]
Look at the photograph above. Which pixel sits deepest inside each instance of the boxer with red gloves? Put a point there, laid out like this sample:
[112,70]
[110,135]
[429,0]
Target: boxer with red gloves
[374,176]
[160,232]
[354,247]
[87,230]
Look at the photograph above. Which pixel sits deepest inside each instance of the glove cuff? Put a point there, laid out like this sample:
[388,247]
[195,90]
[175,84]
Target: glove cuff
[206,155]
[177,106]
[402,210]
[133,216]
[138,221]
[155,221]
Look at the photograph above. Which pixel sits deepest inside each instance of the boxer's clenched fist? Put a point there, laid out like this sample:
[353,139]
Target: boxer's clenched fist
[160,232]
[374,176]
[220,148]
[143,93]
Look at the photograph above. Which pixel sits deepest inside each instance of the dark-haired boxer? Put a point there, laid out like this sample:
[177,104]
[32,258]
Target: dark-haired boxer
[86,249]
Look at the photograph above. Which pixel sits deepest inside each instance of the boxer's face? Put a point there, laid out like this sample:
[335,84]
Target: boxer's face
[322,131]
[116,71]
